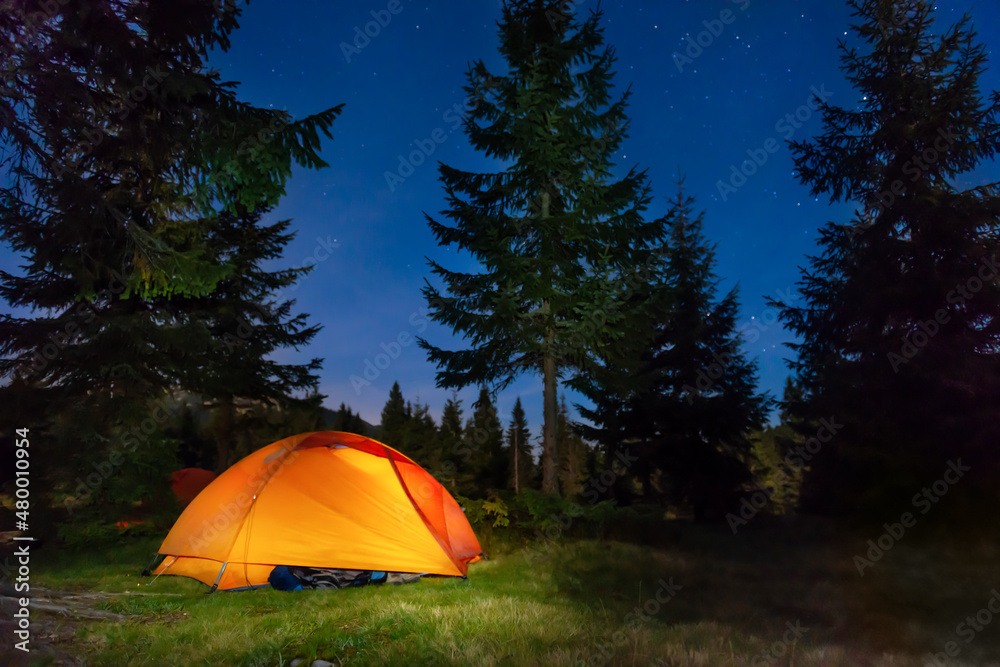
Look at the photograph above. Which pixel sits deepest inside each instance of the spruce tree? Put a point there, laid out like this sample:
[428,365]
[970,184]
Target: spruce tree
[900,334]
[484,436]
[573,455]
[121,149]
[392,429]
[550,228]
[614,378]
[703,406]
[345,419]
[120,141]
[679,416]
[263,422]
[241,323]
[456,470]
[779,459]
[422,443]
[521,459]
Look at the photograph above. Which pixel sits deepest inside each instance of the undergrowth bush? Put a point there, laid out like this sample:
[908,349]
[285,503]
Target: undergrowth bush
[506,522]
[97,527]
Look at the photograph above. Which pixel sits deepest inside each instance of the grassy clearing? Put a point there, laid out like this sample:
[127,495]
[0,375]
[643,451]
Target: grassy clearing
[579,602]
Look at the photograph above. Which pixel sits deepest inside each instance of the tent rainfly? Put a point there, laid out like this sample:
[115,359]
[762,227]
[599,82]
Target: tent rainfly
[326,499]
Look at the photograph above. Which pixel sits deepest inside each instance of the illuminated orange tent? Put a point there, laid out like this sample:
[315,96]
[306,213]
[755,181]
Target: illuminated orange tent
[325,499]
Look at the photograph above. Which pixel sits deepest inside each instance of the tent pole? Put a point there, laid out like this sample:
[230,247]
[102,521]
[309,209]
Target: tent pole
[218,578]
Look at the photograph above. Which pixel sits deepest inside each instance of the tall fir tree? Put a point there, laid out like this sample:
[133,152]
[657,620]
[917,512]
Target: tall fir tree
[573,455]
[539,227]
[521,460]
[484,436]
[262,422]
[900,329]
[345,419]
[614,379]
[422,443]
[120,150]
[704,403]
[395,416]
[679,416]
[120,141]
[779,458]
[456,467]
[239,326]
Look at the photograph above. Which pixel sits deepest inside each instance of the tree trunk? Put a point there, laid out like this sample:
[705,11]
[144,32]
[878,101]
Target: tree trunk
[550,458]
[517,471]
[550,454]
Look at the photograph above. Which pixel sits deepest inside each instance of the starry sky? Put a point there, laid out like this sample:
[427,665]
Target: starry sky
[747,84]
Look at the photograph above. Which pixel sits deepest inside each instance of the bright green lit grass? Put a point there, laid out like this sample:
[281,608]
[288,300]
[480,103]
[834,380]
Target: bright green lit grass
[572,604]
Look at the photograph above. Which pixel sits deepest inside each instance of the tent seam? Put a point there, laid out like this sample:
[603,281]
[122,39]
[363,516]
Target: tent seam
[420,512]
[253,502]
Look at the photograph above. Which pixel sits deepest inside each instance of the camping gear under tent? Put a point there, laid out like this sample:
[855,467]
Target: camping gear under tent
[325,499]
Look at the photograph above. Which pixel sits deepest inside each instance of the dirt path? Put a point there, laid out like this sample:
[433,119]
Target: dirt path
[55,618]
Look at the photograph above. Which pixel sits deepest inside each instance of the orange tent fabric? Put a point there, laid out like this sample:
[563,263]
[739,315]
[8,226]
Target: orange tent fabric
[324,499]
[187,483]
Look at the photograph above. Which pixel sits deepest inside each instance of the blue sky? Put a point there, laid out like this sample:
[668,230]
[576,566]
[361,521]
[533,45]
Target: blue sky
[759,63]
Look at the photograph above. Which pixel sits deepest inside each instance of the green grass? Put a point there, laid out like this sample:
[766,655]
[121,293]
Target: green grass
[572,603]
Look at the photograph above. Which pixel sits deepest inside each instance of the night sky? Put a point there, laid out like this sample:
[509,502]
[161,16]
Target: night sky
[403,87]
